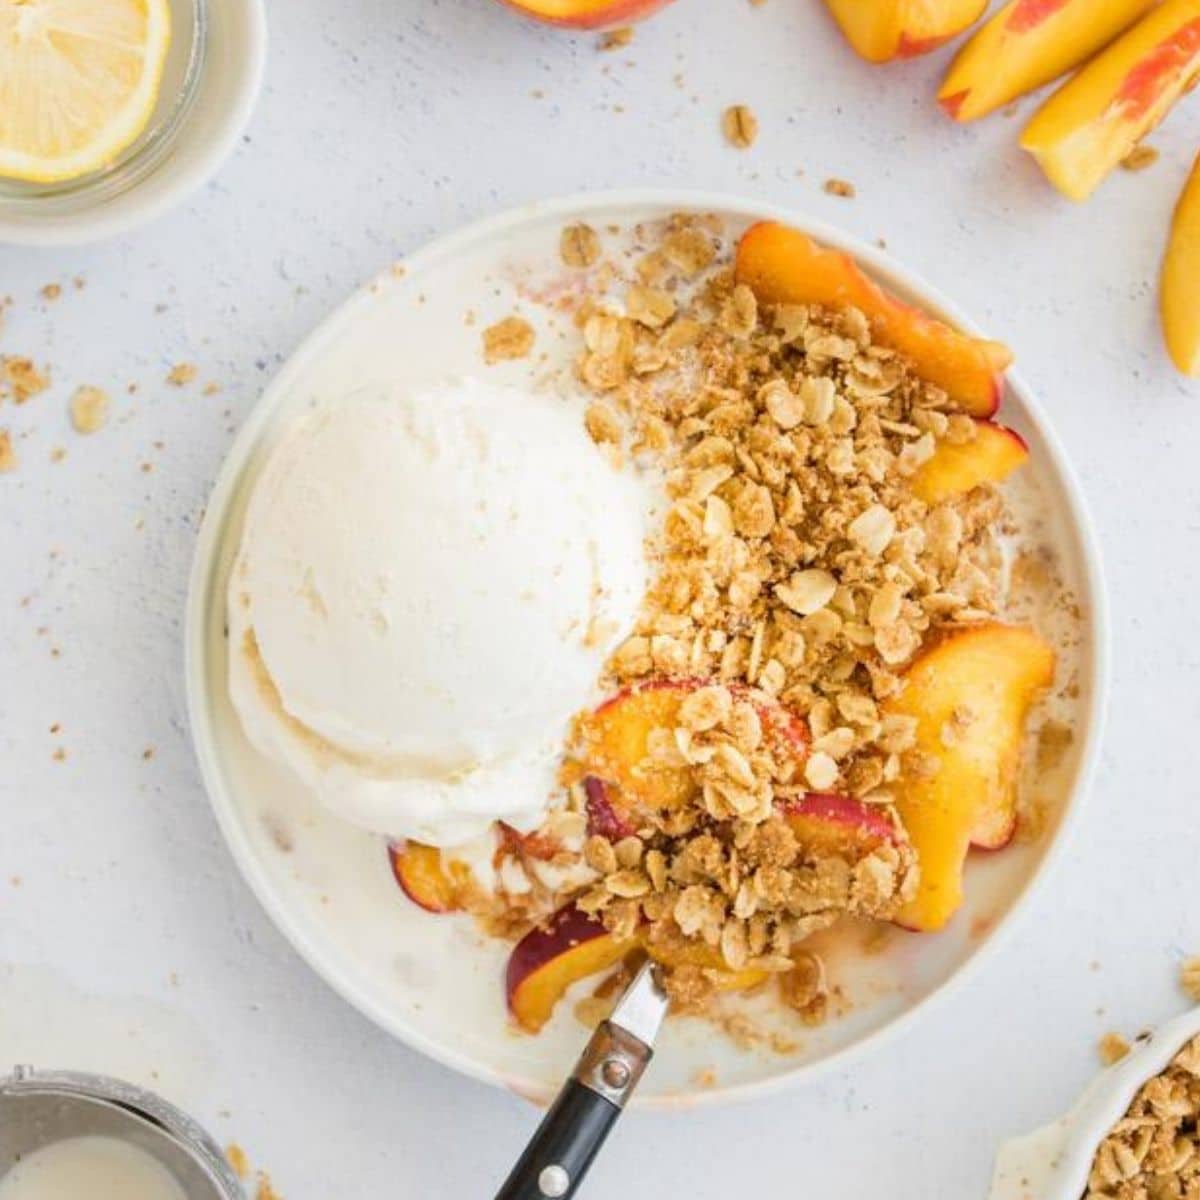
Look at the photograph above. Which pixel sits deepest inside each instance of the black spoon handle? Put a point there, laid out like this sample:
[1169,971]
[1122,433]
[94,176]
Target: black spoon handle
[580,1119]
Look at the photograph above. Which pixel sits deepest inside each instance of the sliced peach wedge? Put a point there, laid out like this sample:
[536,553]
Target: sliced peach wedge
[624,785]
[970,695]
[423,876]
[587,14]
[1092,122]
[784,266]
[827,823]
[1026,44]
[956,468]
[885,29]
[1180,284]
[548,960]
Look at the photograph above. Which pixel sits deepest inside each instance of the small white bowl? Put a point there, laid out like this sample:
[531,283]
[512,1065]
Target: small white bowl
[432,980]
[1053,1162]
[210,121]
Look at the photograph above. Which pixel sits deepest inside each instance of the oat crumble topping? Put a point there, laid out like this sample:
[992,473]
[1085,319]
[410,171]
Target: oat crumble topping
[510,338]
[1153,1152]
[1113,1047]
[797,572]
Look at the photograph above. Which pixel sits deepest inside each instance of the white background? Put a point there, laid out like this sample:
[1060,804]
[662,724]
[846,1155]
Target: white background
[127,940]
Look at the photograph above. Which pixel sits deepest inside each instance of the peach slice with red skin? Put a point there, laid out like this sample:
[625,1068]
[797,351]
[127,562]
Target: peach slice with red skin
[970,695]
[622,789]
[549,959]
[1180,283]
[955,468]
[1026,44]
[423,876]
[881,30]
[784,266]
[1093,121]
[828,823]
[587,14]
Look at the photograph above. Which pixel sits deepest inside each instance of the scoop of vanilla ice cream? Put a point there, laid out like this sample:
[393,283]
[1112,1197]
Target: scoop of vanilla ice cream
[425,592]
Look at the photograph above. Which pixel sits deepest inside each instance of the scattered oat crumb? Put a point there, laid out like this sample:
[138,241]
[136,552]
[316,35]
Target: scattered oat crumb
[148,754]
[1189,977]
[1140,157]
[59,755]
[578,245]
[57,454]
[614,39]
[740,126]
[706,1077]
[182,374]
[8,456]
[20,379]
[237,1159]
[508,339]
[89,409]
[1113,1047]
[51,291]
[266,1190]
[212,388]
[840,187]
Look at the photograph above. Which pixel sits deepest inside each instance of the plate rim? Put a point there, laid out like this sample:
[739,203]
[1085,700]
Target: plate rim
[1077,520]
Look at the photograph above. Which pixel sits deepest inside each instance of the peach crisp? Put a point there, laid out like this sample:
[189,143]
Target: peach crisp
[822,708]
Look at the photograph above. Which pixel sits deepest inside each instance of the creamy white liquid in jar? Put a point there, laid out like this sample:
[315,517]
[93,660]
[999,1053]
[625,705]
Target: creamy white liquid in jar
[90,1168]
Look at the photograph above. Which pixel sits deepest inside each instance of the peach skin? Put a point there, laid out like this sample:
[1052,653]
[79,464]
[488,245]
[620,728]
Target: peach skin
[955,468]
[1029,43]
[970,695]
[422,876]
[1092,122]
[885,29]
[548,960]
[784,266]
[1180,285]
[587,14]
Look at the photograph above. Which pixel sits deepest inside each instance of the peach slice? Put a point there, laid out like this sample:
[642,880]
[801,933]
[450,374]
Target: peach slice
[785,266]
[885,29]
[956,468]
[422,876]
[970,695]
[1092,122]
[548,960]
[587,14]
[1026,44]
[830,824]
[625,788]
[1180,285]
[678,951]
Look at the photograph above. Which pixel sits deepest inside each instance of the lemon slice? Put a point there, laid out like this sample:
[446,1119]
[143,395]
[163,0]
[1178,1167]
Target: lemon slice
[79,81]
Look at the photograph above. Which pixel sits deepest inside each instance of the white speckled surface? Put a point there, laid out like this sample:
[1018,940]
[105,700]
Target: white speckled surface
[386,122]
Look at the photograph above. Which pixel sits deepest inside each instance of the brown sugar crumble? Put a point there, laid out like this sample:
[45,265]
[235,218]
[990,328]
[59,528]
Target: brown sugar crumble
[1153,1152]
[511,338]
[181,374]
[1112,1048]
[615,39]
[840,187]
[20,379]
[740,126]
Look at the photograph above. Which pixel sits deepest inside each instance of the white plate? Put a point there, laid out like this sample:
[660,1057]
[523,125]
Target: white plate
[432,980]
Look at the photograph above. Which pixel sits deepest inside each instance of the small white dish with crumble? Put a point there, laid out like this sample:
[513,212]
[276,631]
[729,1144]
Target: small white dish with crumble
[645,575]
